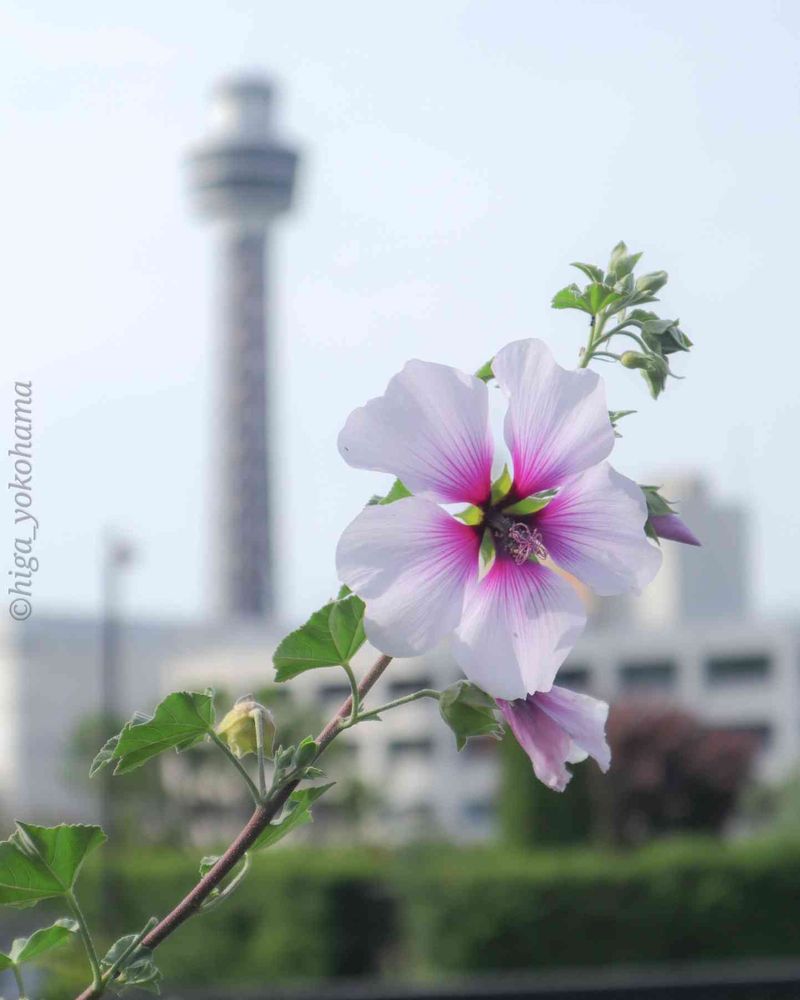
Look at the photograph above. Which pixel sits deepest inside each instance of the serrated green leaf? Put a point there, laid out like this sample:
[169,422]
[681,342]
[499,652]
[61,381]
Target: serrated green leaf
[501,487]
[181,720]
[296,814]
[469,711]
[530,505]
[330,638]
[472,515]
[592,272]
[105,755]
[41,941]
[570,297]
[40,862]
[486,554]
[598,296]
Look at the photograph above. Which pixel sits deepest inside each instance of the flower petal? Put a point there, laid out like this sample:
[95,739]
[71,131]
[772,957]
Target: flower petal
[518,626]
[674,528]
[594,529]
[410,562]
[546,743]
[557,422]
[582,717]
[430,429]
[556,728]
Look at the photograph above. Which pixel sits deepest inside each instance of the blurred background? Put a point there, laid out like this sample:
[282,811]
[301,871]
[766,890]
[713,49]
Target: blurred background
[224,226]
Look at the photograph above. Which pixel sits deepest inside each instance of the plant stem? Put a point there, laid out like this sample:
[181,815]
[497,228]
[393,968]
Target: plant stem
[20,983]
[258,719]
[239,767]
[375,712]
[86,938]
[264,813]
[354,695]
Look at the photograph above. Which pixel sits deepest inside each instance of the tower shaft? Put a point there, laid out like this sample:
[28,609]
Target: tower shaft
[243,533]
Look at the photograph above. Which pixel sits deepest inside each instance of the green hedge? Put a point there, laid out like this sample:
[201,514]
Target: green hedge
[444,910]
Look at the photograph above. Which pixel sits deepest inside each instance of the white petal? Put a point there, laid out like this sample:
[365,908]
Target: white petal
[582,717]
[410,562]
[430,429]
[557,422]
[519,624]
[547,745]
[594,529]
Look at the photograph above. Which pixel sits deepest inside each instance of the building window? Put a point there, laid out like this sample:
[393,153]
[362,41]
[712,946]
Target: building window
[574,678]
[737,669]
[334,691]
[399,688]
[648,675]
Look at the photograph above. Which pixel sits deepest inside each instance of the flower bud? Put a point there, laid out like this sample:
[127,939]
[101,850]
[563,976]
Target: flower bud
[238,727]
[652,282]
[632,359]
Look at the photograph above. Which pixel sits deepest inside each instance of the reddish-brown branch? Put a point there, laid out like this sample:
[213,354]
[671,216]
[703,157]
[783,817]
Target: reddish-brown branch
[262,816]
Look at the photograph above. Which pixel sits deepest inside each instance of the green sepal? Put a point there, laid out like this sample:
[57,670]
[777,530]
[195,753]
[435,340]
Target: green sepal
[469,711]
[297,813]
[472,515]
[530,505]
[651,283]
[485,373]
[39,943]
[41,862]
[657,506]
[486,554]
[501,487]
[397,492]
[621,262]
[181,720]
[330,638]
[615,416]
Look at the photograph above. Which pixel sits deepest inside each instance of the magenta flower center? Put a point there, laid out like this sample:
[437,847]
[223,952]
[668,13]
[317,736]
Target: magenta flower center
[521,541]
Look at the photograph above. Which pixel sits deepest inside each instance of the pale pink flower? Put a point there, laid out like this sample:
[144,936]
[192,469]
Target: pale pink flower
[417,567]
[556,728]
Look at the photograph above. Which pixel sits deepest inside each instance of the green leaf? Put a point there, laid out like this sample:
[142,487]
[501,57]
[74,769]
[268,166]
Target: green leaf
[105,755]
[40,862]
[468,711]
[501,487]
[615,416]
[228,886]
[570,297]
[599,296]
[138,969]
[297,813]
[397,492]
[207,862]
[653,367]
[486,554]
[472,515]
[592,272]
[346,624]
[532,504]
[41,941]
[485,373]
[330,638]
[181,720]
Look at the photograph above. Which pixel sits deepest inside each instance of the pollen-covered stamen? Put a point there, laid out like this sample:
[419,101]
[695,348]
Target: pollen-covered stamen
[522,542]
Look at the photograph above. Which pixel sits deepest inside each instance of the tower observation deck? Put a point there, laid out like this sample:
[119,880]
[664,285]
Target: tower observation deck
[241,179]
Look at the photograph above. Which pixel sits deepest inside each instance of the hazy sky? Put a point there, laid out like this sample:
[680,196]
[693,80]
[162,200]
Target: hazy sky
[456,157]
